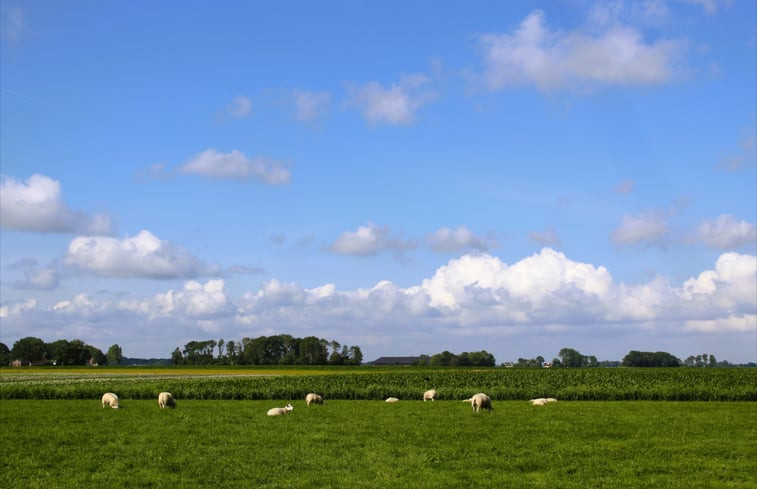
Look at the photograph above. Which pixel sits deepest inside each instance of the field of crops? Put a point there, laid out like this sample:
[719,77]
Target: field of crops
[367,383]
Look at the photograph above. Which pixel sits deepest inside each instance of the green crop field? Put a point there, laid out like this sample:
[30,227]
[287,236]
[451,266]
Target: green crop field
[55,433]
[369,383]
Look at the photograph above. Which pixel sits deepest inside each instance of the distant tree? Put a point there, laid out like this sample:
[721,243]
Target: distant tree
[356,356]
[312,351]
[96,356]
[220,348]
[176,357]
[336,357]
[537,362]
[29,350]
[5,355]
[56,352]
[712,361]
[571,358]
[114,355]
[73,352]
[231,351]
[422,360]
[443,359]
[648,359]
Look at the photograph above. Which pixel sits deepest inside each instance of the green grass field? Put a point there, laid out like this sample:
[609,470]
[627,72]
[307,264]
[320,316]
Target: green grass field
[372,444]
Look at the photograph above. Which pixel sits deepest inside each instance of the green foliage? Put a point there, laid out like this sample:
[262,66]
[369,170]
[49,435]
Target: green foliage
[29,350]
[573,358]
[373,383]
[475,359]
[115,355]
[648,359]
[5,355]
[280,349]
[369,444]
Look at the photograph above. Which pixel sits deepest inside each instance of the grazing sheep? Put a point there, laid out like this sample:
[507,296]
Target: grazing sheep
[110,399]
[313,398]
[166,399]
[480,401]
[429,394]
[392,399]
[542,401]
[279,411]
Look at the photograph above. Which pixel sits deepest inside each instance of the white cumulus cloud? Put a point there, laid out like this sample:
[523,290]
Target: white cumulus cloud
[539,296]
[394,105]
[34,276]
[310,105]
[648,227]
[447,240]
[727,233]
[235,165]
[37,205]
[367,241]
[142,255]
[554,59]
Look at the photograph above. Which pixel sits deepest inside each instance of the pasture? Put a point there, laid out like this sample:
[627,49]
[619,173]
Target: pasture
[55,433]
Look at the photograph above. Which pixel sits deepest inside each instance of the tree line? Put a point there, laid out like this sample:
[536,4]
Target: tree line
[280,349]
[465,359]
[569,357]
[34,351]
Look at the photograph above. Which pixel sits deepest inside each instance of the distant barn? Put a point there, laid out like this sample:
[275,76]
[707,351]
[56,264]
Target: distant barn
[395,360]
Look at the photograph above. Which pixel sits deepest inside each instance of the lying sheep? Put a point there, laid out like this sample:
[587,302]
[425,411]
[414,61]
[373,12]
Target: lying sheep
[429,394]
[480,401]
[279,411]
[110,399]
[166,399]
[542,401]
[392,399]
[313,399]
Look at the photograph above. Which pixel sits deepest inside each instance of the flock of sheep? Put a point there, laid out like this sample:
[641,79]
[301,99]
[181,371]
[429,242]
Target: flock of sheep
[478,401]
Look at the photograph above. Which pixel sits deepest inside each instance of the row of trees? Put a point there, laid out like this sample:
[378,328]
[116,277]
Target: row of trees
[465,359]
[281,349]
[568,357]
[34,351]
[649,359]
[703,360]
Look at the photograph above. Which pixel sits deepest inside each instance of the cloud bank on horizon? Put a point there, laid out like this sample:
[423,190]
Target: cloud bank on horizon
[516,179]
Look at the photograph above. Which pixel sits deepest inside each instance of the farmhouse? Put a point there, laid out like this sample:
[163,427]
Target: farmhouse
[395,360]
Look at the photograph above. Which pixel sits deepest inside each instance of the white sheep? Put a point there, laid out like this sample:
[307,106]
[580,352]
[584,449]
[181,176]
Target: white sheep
[392,399]
[313,399]
[166,399]
[110,399]
[542,401]
[429,394]
[279,411]
[480,401]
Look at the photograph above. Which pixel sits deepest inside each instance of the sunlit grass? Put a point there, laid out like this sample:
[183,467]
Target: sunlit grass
[371,444]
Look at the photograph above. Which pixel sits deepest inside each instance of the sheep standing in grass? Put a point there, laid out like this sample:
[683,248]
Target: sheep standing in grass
[166,399]
[480,401]
[110,399]
[279,411]
[392,399]
[429,394]
[313,399]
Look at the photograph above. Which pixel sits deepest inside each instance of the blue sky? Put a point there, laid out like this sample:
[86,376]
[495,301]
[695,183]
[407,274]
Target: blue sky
[409,177]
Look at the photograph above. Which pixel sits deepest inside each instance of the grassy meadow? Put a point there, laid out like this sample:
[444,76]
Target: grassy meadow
[56,434]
